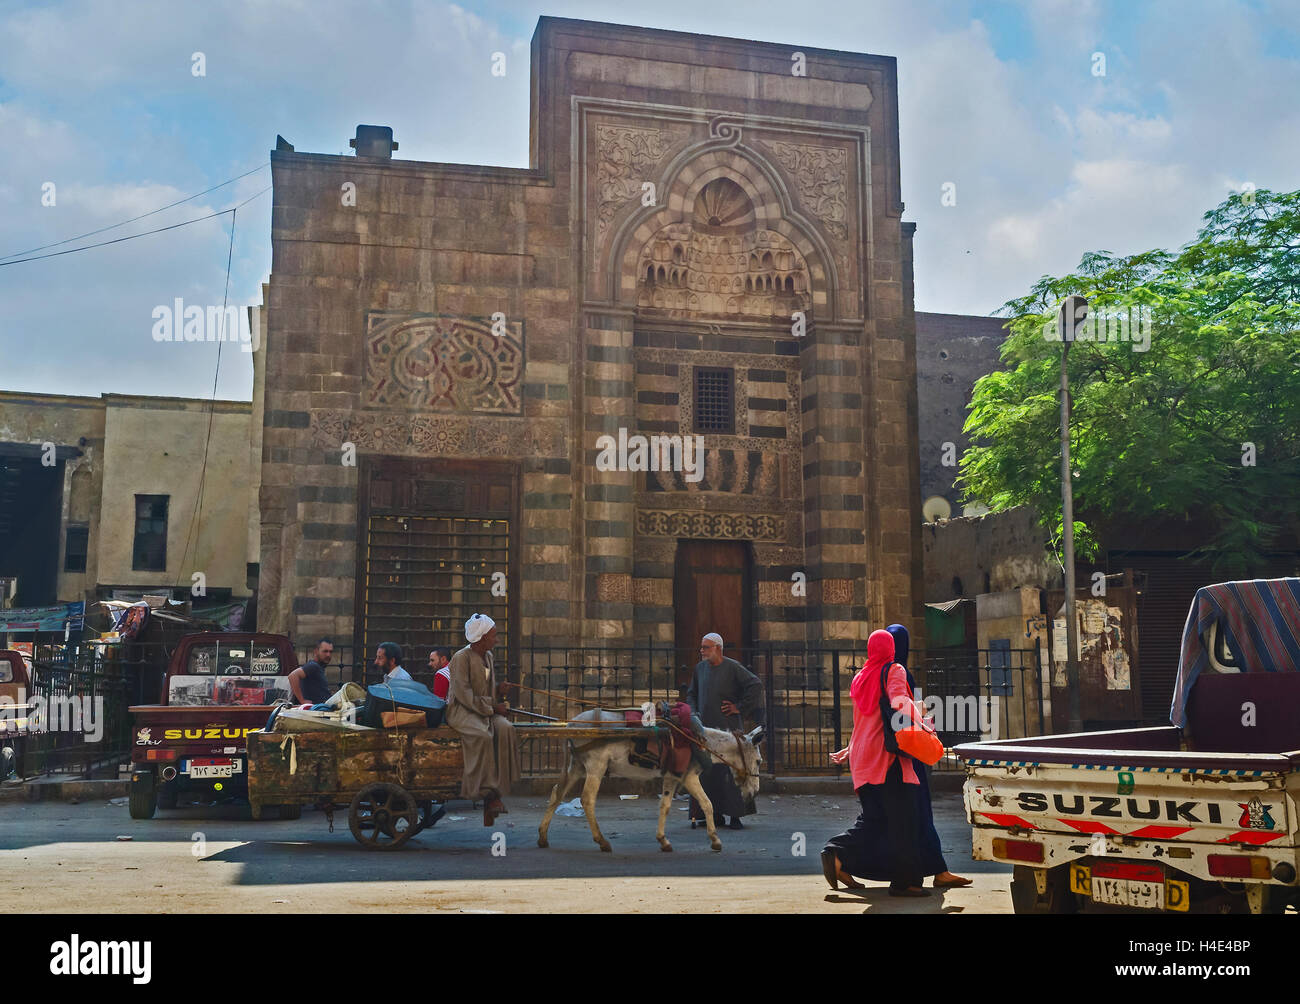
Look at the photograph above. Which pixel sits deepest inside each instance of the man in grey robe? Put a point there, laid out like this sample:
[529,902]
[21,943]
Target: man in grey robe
[474,710]
[722,691]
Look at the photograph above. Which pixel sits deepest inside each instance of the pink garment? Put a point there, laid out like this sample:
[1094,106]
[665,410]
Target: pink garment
[869,761]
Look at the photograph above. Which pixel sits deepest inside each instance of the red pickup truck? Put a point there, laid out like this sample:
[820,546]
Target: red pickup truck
[218,688]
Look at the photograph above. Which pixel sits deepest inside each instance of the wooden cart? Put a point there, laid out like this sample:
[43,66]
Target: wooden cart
[389,779]
[394,782]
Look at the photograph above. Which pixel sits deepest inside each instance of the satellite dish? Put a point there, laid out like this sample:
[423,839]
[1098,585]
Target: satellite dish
[936,508]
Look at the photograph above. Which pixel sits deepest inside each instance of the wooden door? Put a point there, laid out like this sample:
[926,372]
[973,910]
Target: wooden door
[711,592]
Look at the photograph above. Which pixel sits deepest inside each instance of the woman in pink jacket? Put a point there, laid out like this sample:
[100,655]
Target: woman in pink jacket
[886,783]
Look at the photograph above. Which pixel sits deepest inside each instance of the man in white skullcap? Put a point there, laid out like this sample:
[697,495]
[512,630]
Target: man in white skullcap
[487,738]
[721,692]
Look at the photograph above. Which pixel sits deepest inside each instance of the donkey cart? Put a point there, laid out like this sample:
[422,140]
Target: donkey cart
[394,782]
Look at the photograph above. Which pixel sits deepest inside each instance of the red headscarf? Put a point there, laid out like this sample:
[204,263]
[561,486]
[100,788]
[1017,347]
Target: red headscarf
[880,651]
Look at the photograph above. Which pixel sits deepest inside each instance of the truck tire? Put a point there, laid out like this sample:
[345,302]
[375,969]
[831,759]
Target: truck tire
[1057,897]
[293,811]
[142,800]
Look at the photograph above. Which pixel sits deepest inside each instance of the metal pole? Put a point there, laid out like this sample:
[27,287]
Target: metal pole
[1067,543]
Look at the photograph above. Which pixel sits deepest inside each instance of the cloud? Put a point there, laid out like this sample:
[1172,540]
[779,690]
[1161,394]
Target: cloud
[1048,160]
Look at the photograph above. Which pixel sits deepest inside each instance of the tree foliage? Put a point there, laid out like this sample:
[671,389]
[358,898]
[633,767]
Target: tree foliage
[1161,433]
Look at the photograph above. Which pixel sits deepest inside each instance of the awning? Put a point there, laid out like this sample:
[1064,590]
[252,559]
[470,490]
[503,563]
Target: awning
[945,624]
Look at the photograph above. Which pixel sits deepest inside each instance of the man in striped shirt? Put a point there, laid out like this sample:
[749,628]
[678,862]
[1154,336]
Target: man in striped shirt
[438,662]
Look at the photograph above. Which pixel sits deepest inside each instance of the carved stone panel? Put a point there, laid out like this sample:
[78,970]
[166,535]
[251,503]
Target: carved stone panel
[625,158]
[420,362]
[429,436]
[821,176]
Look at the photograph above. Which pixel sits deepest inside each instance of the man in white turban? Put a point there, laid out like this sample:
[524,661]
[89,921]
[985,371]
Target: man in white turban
[487,738]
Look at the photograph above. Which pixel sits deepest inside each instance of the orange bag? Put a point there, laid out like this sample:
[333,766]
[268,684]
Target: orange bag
[920,743]
[917,741]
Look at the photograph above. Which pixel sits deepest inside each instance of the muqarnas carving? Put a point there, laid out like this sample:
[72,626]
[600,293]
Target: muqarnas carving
[719,262]
[421,362]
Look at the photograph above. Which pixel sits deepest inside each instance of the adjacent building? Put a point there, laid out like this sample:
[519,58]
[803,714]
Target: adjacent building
[100,498]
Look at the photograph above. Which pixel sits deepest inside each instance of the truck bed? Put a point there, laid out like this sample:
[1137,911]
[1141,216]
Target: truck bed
[1159,748]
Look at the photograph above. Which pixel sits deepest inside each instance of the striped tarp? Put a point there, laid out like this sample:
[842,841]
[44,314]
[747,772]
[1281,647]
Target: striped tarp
[1261,622]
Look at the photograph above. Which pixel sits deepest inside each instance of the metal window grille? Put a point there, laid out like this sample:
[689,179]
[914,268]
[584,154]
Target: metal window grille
[426,575]
[714,399]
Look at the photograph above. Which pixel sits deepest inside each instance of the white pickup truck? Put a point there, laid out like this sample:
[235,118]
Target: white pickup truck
[1200,816]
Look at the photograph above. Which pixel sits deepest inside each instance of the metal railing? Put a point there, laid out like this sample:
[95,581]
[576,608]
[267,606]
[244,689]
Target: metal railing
[77,721]
[809,707]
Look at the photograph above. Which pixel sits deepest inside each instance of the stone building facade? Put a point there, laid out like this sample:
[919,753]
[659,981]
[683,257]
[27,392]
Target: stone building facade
[708,242]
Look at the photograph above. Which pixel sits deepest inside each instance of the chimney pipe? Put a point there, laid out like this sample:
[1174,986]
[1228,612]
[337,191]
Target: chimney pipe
[374,141]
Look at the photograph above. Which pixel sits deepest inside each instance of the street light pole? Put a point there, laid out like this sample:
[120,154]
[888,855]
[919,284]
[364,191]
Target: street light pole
[1073,310]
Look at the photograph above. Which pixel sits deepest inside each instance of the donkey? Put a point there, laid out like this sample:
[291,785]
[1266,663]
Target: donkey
[589,762]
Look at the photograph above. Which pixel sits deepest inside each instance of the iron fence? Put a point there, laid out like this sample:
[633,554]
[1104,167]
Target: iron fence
[77,700]
[972,694]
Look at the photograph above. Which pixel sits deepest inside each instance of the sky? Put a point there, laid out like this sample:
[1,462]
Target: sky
[1060,127]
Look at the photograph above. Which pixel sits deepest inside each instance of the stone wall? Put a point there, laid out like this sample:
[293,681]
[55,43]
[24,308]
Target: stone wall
[990,553]
[952,352]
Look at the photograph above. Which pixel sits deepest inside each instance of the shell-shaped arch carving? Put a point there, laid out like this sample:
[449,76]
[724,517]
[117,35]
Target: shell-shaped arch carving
[747,252]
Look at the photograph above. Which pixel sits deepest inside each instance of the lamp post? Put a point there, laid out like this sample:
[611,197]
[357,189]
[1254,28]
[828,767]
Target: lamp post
[1071,314]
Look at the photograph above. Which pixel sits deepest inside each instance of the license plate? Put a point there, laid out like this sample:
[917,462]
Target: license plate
[206,770]
[1126,892]
[1145,894]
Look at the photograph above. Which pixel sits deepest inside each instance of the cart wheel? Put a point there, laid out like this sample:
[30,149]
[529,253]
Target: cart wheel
[383,817]
[293,811]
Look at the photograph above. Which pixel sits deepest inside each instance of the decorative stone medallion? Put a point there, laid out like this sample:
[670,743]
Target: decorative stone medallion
[422,362]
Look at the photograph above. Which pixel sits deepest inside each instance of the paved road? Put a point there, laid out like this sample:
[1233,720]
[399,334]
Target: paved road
[64,857]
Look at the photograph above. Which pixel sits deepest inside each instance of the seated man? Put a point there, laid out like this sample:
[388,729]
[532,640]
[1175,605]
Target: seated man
[476,712]
[308,682]
[388,660]
[439,661]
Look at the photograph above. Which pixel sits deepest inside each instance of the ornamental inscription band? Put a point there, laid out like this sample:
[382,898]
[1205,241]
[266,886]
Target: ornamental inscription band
[710,525]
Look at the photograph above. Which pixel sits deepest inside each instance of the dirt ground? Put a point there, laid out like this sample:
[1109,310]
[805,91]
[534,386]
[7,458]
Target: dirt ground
[61,857]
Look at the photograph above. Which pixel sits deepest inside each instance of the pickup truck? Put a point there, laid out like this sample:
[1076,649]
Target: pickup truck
[218,688]
[1202,815]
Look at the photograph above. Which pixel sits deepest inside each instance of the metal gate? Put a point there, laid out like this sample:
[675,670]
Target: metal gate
[435,545]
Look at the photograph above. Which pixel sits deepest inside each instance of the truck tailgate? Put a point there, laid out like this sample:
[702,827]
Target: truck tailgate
[1139,802]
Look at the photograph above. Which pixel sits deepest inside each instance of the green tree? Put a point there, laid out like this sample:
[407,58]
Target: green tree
[1164,432]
